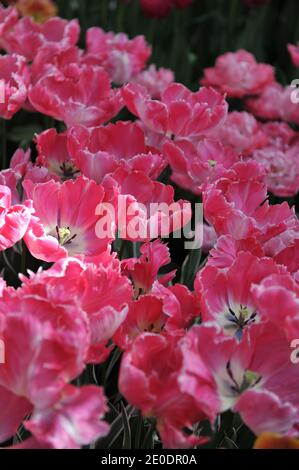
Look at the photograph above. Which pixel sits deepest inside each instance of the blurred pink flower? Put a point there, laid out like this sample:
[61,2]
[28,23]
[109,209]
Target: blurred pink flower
[242,132]
[121,57]
[154,80]
[195,165]
[274,103]
[294,53]
[238,74]
[14,82]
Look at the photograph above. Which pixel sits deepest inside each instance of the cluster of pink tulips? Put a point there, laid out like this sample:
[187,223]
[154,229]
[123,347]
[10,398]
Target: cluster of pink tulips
[187,354]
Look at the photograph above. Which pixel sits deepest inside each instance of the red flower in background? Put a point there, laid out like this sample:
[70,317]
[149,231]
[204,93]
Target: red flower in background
[161,8]
[156,8]
[294,53]
[252,3]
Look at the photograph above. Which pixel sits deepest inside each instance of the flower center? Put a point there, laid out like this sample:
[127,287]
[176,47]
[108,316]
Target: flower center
[239,319]
[212,163]
[154,328]
[250,379]
[64,235]
[69,170]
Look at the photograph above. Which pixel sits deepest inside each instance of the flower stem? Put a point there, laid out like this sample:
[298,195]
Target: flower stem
[23,259]
[120,18]
[104,13]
